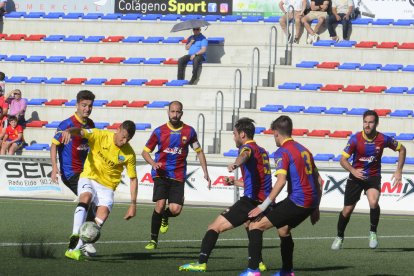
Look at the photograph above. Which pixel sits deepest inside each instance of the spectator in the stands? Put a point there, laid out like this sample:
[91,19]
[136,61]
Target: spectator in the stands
[299,7]
[196,47]
[2,83]
[13,138]
[319,11]
[2,12]
[3,125]
[341,12]
[3,100]
[17,106]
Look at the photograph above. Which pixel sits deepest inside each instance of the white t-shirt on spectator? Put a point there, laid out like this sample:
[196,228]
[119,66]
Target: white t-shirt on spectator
[342,5]
[297,4]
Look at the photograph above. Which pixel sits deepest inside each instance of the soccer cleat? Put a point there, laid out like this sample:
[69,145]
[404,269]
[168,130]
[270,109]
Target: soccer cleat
[262,267]
[196,267]
[250,272]
[74,254]
[151,245]
[164,226]
[284,273]
[373,241]
[88,250]
[337,243]
[73,241]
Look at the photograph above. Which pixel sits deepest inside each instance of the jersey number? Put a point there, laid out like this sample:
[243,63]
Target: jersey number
[266,166]
[308,165]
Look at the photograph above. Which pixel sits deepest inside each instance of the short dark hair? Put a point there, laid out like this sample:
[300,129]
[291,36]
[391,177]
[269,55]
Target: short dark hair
[85,95]
[283,124]
[371,113]
[2,76]
[130,127]
[246,125]
[175,102]
[12,118]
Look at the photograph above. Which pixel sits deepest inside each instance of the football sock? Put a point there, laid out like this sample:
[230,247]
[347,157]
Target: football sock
[91,214]
[374,215]
[248,236]
[155,225]
[342,223]
[207,245]
[286,250]
[255,248]
[79,217]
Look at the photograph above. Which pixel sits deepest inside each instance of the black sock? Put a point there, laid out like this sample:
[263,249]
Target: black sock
[255,248]
[248,236]
[207,245]
[374,215]
[286,250]
[342,223]
[166,214]
[155,225]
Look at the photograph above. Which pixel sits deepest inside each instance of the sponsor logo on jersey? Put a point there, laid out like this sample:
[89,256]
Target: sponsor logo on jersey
[368,159]
[175,150]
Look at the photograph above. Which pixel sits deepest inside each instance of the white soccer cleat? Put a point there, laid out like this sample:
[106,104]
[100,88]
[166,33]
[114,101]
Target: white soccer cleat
[373,241]
[337,243]
[88,250]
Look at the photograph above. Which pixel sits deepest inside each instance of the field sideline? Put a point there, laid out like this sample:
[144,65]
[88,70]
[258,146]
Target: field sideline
[33,240]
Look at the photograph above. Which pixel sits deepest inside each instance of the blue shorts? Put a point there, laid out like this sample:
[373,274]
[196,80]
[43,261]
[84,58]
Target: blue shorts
[18,143]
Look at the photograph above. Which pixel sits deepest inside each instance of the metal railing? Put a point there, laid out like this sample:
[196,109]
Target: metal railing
[235,116]
[217,130]
[271,71]
[290,34]
[253,90]
[201,115]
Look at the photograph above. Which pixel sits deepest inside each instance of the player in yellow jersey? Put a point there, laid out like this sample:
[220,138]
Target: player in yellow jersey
[108,155]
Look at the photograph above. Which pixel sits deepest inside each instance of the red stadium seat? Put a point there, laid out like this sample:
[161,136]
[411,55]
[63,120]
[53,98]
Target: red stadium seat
[94,60]
[388,45]
[35,37]
[299,131]
[332,87]
[115,38]
[75,81]
[137,104]
[340,133]
[3,36]
[268,131]
[328,65]
[319,133]
[114,60]
[382,112]
[366,44]
[115,82]
[353,88]
[375,89]
[117,103]
[56,102]
[184,40]
[171,61]
[16,37]
[114,126]
[36,124]
[156,82]
[405,45]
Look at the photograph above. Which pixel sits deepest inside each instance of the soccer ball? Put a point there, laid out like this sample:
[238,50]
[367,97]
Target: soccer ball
[89,232]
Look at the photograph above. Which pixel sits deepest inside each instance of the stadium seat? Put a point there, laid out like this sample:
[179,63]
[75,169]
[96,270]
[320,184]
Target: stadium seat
[54,15]
[375,89]
[154,60]
[73,15]
[15,37]
[15,58]
[289,85]
[160,82]
[171,17]
[404,22]
[74,38]
[133,39]
[315,109]
[191,17]
[117,103]
[35,59]
[332,87]
[136,82]
[272,108]
[336,110]
[411,91]
[382,112]
[75,81]
[362,21]
[293,108]
[54,38]
[55,80]
[54,59]
[388,45]
[324,43]
[74,59]
[134,60]
[345,43]
[16,79]
[177,83]
[307,64]
[408,68]
[383,22]
[56,102]
[409,160]
[36,123]
[153,39]
[113,39]
[115,82]
[114,60]
[401,113]
[323,157]
[34,15]
[15,14]
[2,57]
[158,104]
[212,18]
[215,40]
[337,158]
[231,153]
[112,16]
[101,125]
[341,134]
[171,61]
[71,103]
[36,146]
[406,45]
[114,126]
[93,16]
[35,37]
[268,131]
[142,126]
[94,60]
[405,136]
[95,81]
[99,103]
[311,86]
[137,104]
[53,124]
[272,19]
[370,66]
[231,18]
[252,18]
[391,134]
[349,66]
[392,67]
[353,88]
[175,39]
[396,90]
[151,17]
[389,159]
[36,80]
[299,131]
[131,16]
[36,101]
[93,38]
[356,111]
[366,44]
[319,133]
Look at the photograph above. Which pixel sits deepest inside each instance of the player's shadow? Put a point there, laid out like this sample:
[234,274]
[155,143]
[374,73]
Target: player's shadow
[337,268]
[394,250]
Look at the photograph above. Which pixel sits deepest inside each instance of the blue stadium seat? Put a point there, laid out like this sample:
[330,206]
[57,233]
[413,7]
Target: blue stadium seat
[392,67]
[259,130]
[349,66]
[396,90]
[16,79]
[151,17]
[54,15]
[99,102]
[134,60]
[74,59]
[37,147]
[409,160]
[272,108]
[101,125]
[289,85]
[405,136]
[411,91]
[35,15]
[391,134]
[336,110]
[158,104]
[55,59]
[401,113]
[71,103]
[131,16]
[53,124]
[54,38]
[35,58]
[272,19]
[15,14]
[231,153]
[337,158]
[215,40]
[324,43]
[345,43]
[95,81]
[231,18]
[55,80]
[408,68]
[93,16]
[370,66]
[153,39]
[404,22]
[174,39]
[191,17]
[133,39]
[362,21]
[389,159]
[171,17]
[15,58]
[356,111]
[311,86]
[74,38]
[293,108]
[93,38]
[252,18]
[307,64]
[136,82]
[142,126]
[315,109]
[2,57]
[154,61]
[112,16]
[177,83]
[383,22]
[323,156]
[36,101]
[36,80]
[73,15]
[212,18]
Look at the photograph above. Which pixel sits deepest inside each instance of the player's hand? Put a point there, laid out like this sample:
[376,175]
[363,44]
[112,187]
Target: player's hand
[207,177]
[255,212]
[359,173]
[315,216]
[54,175]
[231,167]
[397,177]
[132,210]
[157,166]
[66,137]
[229,180]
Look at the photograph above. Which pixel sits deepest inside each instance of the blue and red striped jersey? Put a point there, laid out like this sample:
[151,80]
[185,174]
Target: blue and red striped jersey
[296,162]
[366,153]
[72,156]
[172,150]
[256,172]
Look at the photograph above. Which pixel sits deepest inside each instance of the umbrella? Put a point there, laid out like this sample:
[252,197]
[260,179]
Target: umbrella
[189,24]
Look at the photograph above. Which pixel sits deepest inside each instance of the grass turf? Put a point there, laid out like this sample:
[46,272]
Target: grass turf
[34,234]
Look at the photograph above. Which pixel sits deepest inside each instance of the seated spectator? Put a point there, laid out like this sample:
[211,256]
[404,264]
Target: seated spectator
[13,138]
[299,7]
[2,12]
[2,82]
[318,11]
[196,47]
[17,106]
[3,126]
[341,12]
[3,104]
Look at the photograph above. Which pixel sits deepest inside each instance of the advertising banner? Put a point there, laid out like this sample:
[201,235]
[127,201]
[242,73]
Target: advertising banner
[66,6]
[256,7]
[394,9]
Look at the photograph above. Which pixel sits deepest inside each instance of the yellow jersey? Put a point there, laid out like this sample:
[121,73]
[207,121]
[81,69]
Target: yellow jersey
[105,161]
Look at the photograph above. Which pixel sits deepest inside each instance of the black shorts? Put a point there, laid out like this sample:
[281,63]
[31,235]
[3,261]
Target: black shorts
[170,189]
[354,188]
[238,213]
[72,182]
[286,212]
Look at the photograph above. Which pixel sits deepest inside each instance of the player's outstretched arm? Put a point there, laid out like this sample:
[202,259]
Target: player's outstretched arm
[203,164]
[55,170]
[132,209]
[397,176]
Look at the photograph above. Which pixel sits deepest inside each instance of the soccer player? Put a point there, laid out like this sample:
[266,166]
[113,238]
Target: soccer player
[257,182]
[169,168]
[108,155]
[294,165]
[366,148]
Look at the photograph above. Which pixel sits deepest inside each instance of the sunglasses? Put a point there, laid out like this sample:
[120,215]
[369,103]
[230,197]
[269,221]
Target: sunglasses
[16,94]
[197,29]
